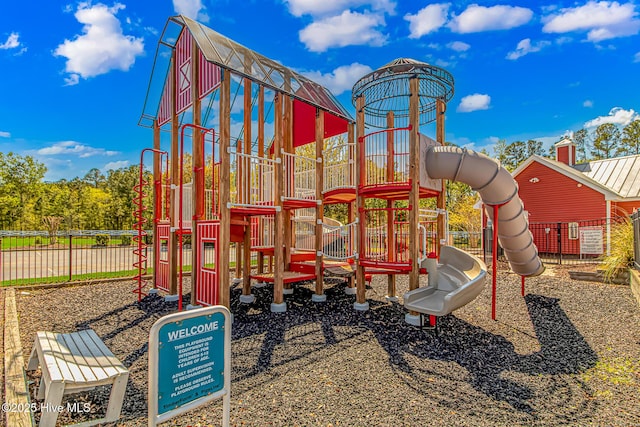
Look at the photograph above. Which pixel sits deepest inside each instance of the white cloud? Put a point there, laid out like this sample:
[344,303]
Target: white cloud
[5,134]
[480,18]
[587,103]
[602,20]
[617,116]
[636,58]
[474,102]
[115,165]
[191,9]
[427,20]
[12,42]
[328,7]
[459,46]
[74,148]
[346,29]
[524,47]
[341,79]
[102,47]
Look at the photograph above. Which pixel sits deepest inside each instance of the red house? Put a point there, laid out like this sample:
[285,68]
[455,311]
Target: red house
[568,203]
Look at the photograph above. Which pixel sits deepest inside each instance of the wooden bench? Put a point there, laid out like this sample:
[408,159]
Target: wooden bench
[75,362]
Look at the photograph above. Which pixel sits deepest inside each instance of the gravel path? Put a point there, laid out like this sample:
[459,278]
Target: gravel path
[566,354]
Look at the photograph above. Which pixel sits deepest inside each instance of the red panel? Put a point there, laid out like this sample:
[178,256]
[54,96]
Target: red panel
[183,71]
[164,115]
[550,196]
[624,208]
[566,155]
[209,76]
[304,124]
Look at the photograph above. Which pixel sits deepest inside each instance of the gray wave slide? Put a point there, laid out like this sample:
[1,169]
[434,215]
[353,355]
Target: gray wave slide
[496,186]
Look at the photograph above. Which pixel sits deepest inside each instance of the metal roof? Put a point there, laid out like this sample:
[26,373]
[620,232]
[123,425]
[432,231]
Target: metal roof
[228,54]
[232,56]
[387,89]
[620,174]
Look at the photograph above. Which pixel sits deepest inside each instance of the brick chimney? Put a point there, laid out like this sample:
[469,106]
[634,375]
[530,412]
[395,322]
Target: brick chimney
[566,151]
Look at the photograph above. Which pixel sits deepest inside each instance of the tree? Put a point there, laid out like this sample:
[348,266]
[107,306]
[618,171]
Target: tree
[582,140]
[52,224]
[499,150]
[514,154]
[95,178]
[605,142]
[534,148]
[631,138]
[20,188]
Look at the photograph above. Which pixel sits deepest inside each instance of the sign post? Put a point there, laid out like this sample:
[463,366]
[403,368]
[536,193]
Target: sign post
[189,363]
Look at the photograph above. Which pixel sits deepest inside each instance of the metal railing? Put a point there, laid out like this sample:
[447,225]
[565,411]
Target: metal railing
[252,178]
[299,177]
[339,167]
[30,257]
[569,243]
[384,157]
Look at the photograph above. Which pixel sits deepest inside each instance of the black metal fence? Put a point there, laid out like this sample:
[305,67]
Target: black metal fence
[29,257]
[579,242]
[635,218]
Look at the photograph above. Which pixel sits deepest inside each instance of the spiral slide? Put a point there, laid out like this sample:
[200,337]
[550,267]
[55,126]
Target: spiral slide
[458,278]
[496,187]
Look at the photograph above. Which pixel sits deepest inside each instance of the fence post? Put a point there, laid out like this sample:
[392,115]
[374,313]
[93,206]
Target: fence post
[70,257]
[559,232]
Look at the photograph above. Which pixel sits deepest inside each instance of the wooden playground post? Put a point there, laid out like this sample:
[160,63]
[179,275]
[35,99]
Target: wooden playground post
[351,207]
[414,179]
[246,245]
[225,213]
[278,269]
[198,169]
[157,198]
[391,237]
[441,107]
[175,181]
[360,283]
[319,207]
[240,188]
[260,154]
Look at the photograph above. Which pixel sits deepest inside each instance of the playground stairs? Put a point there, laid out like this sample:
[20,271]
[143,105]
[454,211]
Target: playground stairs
[288,277]
[330,268]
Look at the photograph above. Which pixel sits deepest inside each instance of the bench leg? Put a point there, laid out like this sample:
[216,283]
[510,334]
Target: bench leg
[116,398]
[34,358]
[42,387]
[49,413]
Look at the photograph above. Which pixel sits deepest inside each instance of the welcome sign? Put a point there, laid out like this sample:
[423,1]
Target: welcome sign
[189,362]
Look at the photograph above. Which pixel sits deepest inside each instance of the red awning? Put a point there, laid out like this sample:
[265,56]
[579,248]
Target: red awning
[304,124]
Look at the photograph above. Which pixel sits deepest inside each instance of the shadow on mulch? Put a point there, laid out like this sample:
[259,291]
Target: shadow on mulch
[485,356]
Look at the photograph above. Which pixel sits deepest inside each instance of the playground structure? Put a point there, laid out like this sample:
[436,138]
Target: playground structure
[257,151]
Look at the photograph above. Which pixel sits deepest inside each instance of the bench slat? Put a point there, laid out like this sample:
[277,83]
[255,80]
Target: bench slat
[108,360]
[81,358]
[43,350]
[98,357]
[54,356]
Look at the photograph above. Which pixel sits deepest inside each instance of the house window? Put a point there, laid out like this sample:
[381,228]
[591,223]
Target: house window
[573,231]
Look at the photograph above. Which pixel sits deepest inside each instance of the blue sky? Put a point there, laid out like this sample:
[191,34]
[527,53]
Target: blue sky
[74,74]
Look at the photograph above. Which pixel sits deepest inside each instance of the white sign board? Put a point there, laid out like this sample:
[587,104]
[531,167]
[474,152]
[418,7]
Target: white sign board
[591,241]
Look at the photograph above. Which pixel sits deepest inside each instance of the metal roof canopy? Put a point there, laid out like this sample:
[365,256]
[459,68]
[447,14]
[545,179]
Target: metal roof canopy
[387,89]
[232,56]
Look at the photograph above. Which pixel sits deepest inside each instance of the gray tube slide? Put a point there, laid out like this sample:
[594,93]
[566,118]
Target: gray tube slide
[496,186]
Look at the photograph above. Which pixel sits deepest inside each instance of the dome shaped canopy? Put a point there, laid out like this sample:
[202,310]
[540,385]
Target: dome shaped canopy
[387,89]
